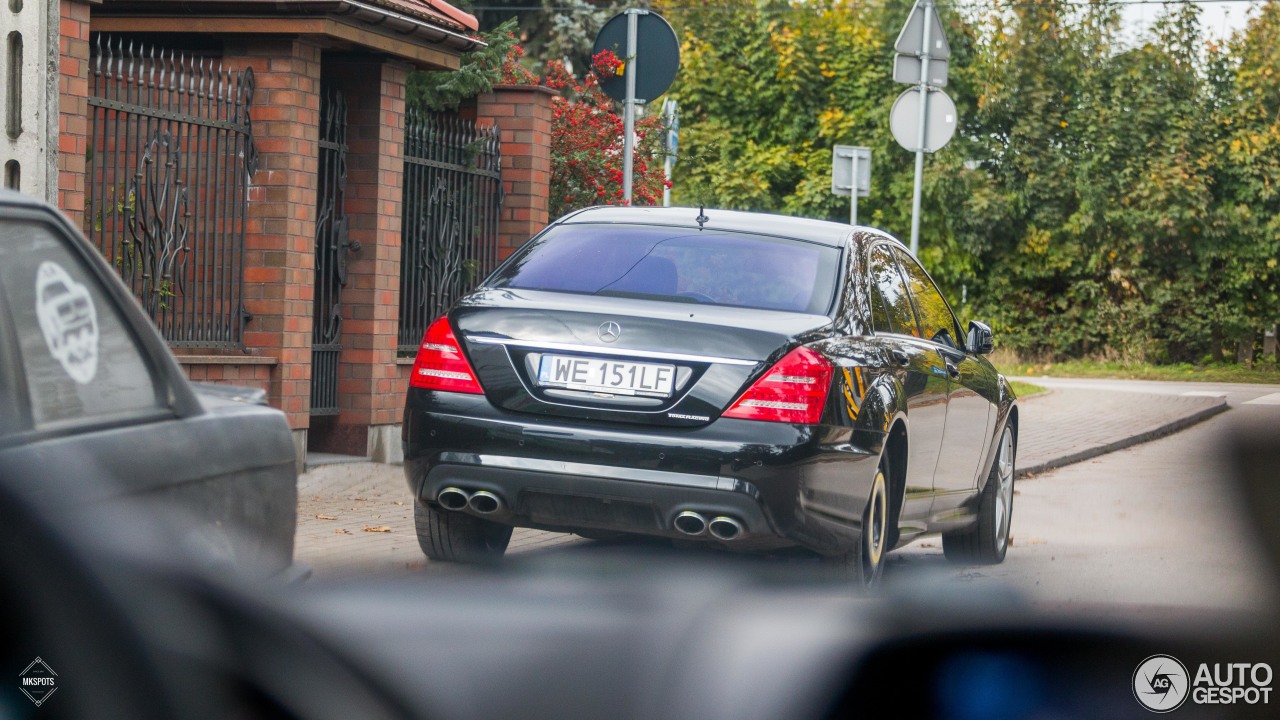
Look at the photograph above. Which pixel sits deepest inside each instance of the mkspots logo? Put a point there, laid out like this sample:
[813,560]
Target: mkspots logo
[38,681]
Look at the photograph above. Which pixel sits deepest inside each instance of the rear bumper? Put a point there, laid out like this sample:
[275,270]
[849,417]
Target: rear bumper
[785,484]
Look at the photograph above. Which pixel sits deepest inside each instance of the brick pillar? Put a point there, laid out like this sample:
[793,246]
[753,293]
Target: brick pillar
[370,391]
[279,256]
[523,114]
[73,106]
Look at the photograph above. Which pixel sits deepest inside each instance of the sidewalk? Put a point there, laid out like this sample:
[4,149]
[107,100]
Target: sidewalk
[357,518]
[1065,426]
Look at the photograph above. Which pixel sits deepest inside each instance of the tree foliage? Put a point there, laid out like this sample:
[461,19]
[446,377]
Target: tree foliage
[586,129]
[1101,197]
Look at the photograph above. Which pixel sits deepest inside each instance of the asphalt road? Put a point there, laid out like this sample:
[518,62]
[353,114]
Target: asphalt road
[1145,530]
[1154,526]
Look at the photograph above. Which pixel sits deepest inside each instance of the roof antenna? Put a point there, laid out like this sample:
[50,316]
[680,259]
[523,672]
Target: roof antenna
[702,217]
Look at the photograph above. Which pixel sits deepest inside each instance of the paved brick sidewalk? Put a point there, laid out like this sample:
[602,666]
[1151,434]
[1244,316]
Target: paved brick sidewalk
[357,518]
[1065,426]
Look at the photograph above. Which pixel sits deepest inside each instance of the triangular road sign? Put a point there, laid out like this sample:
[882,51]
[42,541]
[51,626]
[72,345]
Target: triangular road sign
[911,39]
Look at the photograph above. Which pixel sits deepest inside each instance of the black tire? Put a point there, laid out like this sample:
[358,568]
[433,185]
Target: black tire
[458,537]
[986,541]
[863,566]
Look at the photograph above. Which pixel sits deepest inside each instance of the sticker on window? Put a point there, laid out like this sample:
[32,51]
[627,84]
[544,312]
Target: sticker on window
[69,321]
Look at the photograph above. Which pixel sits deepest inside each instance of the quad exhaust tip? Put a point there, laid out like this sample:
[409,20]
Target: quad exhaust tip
[485,502]
[452,498]
[690,523]
[724,528]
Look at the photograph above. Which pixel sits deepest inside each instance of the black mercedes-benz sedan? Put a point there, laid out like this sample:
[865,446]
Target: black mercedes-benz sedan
[750,380]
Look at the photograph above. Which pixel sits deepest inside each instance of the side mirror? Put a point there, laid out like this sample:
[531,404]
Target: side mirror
[979,341]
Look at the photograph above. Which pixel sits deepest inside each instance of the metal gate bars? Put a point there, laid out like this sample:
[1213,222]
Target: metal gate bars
[332,246]
[452,196]
[169,160]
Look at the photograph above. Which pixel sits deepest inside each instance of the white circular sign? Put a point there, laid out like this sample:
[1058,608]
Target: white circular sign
[68,320]
[940,120]
[1161,683]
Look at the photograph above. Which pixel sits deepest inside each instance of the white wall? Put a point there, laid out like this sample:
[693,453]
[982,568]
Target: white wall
[35,149]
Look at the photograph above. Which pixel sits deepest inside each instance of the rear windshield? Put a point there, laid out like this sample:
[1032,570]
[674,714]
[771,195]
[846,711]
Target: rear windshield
[678,264]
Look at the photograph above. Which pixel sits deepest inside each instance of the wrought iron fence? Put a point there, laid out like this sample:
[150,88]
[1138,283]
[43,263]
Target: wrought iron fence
[169,160]
[332,245]
[452,196]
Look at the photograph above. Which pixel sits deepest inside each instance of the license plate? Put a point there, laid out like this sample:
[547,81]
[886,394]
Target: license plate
[616,377]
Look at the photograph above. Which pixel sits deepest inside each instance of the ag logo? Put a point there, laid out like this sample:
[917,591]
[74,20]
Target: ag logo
[1161,683]
[68,320]
[38,681]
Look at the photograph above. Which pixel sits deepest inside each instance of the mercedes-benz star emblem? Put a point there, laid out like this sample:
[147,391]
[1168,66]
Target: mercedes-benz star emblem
[610,331]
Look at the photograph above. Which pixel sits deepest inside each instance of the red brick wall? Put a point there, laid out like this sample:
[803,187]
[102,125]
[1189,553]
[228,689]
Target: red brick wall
[370,391]
[523,114]
[279,256]
[257,375]
[73,110]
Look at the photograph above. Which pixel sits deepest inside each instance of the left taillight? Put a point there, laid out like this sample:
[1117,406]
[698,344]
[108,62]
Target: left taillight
[440,364]
[794,390]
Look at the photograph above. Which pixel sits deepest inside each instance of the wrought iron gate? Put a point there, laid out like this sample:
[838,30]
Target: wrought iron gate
[169,160]
[332,245]
[452,196]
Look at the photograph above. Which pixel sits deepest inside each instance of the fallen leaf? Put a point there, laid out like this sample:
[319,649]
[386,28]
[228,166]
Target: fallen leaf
[380,528]
[342,531]
[360,499]
[326,517]
[399,502]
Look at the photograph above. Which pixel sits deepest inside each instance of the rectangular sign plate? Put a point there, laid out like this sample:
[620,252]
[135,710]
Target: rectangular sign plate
[616,377]
[906,69]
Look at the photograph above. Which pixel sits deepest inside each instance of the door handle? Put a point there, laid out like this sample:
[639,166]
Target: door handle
[899,357]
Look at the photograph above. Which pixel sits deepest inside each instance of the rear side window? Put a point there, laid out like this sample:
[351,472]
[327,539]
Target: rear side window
[891,310]
[677,264]
[936,321]
[79,360]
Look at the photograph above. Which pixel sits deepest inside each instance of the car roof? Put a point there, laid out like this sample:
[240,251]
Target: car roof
[817,231]
[13,197]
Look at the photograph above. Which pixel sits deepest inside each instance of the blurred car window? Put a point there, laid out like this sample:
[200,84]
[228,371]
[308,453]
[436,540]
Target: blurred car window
[936,321]
[891,292]
[719,268]
[79,359]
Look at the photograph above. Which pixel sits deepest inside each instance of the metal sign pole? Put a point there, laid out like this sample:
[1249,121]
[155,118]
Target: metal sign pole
[927,5]
[853,191]
[668,166]
[629,107]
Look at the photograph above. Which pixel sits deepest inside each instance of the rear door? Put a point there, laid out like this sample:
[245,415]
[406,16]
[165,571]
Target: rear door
[925,382]
[965,433]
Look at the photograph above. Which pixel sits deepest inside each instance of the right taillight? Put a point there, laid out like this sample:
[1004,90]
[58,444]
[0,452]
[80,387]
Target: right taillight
[794,390]
[440,364]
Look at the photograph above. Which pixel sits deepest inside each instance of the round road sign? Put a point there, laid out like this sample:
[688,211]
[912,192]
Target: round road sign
[940,120]
[657,55]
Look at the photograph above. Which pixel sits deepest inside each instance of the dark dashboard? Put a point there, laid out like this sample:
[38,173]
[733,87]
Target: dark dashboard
[133,630]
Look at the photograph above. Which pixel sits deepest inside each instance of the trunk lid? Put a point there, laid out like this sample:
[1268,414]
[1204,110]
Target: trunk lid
[621,359]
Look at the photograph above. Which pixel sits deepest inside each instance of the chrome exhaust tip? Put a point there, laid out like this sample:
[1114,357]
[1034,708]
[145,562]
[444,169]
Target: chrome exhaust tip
[452,498]
[724,528]
[485,502]
[690,523]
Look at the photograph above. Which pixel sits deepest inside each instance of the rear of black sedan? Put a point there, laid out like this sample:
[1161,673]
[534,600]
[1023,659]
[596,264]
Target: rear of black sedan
[657,372]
